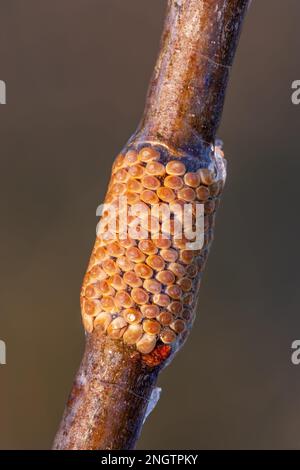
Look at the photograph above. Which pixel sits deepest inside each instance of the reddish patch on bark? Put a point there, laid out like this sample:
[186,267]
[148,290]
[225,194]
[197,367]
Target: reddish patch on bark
[157,356]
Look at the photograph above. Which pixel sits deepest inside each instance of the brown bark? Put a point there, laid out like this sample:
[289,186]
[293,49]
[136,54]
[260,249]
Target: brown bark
[109,398]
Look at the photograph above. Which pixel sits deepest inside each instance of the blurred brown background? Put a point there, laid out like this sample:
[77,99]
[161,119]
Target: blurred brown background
[76,74]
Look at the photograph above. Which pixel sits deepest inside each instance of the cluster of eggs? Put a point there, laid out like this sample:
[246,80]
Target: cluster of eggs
[143,290]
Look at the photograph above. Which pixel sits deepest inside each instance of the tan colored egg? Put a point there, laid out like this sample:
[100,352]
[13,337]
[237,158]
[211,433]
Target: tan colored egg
[207,176]
[136,171]
[123,299]
[91,307]
[139,296]
[185,283]
[134,186]
[118,189]
[132,315]
[135,255]
[175,307]
[110,267]
[170,255]
[132,198]
[152,286]
[166,194]
[167,336]
[174,291]
[149,197]
[176,168]
[152,327]
[155,169]
[88,323]
[180,243]
[188,299]
[105,288]
[133,334]
[131,157]
[127,242]
[92,291]
[101,254]
[132,279]
[202,193]
[102,321]
[117,282]
[118,163]
[108,304]
[142,270]
[147,154]
[155,262]
[162,300]
[173,182]
[125,264]
[186,194]
[148,247]
[209,207]
[165,277]
[97,273]
[178,269]
[115,250]
[162,242]
[192,270]
[150,182]
[178,326]
[187,314]
[186,256]
[150,311]
[146,344]
[192,179]
[117,328]
[121,176]
[165,318]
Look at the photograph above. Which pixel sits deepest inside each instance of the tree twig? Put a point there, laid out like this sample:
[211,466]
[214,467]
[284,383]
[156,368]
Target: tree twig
[139,297]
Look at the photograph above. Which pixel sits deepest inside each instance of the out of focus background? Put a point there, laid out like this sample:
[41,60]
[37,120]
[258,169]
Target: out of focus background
[77,73]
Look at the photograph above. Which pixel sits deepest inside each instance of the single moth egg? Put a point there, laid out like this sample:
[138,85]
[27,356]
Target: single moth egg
[150,182]
[165,318]
[166,277]
[117,328]
[173,182]
[178,326]
[192,179]
[155,262]
[102,321]
[152,327]
[207,176]
[150,311]
[132,279]
[144,271]
[146,344]
[147,154]
[133,334]
[175,168]
[131,157]
[155,168]
[152,286]
[139,296]
[132,315]
[123,299]
[165,194]
[167,336]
